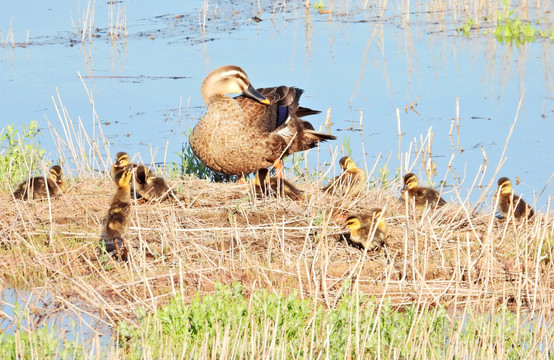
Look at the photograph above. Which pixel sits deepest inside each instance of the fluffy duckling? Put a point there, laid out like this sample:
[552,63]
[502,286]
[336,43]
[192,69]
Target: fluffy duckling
[350,182]
[149,186]
[421,195]
[362,227]
[122,161]
[117,220]
[265,186]
[508,202]
[40,187]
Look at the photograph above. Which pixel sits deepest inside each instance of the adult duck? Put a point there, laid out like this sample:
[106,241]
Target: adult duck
[240,135]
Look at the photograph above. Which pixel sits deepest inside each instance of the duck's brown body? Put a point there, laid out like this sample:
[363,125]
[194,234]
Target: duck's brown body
[243,134]
[275,186]
[368,229]
[350,182]
[508,202]
[422,196]
[40,187]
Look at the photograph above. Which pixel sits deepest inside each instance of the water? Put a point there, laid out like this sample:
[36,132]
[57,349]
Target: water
[29,310]
[146,85]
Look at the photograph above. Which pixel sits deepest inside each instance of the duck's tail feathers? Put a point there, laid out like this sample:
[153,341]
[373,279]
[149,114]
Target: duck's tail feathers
[303,111]
[319,136]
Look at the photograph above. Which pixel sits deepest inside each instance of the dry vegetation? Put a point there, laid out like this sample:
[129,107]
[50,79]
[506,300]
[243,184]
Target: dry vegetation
[221,233]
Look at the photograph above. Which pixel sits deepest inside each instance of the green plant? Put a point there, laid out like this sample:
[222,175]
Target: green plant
[20,154]
[384,178]
[357,327]
[346,146]
[468,25]
[509,28]
[319,5]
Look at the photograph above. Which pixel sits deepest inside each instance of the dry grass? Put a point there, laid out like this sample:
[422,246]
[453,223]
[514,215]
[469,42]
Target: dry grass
[220,233]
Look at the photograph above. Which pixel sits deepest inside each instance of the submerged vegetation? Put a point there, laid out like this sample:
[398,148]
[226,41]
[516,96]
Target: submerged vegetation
[508,27]
[41,343]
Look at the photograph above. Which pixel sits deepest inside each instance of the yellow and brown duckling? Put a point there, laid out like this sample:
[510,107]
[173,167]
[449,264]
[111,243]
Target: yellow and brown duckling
[40,187]
[509,203]
[268,186]
[116,222]
[350,182]
[422,196]
[149,186]
[368,229]
[240,135]
[122,162]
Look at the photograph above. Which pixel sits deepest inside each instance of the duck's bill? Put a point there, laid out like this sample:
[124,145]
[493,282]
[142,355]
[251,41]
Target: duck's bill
[252,93]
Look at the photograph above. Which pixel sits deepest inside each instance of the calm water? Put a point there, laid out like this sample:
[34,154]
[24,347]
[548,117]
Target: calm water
[22,310]
[145,86]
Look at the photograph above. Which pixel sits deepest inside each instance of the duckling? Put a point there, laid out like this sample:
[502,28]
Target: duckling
[508,202]
[40,187]
[363,225]
[117,221]
[421,195]
[122,161]
[350,182]
[149,186]
[240,135]
[265,186]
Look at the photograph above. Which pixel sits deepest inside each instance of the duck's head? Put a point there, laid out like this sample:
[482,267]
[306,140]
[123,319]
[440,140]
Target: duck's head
[504,186]
[410,182]
[122,160]
[229,79]
[353,222]
[55,174]
[347,164]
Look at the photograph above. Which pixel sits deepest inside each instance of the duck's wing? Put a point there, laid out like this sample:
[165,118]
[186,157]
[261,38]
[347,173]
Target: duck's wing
[522,208]
[430,196]
[284,105]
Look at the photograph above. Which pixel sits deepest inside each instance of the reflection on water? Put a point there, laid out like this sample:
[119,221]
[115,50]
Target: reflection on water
[398,78]
[30,310]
